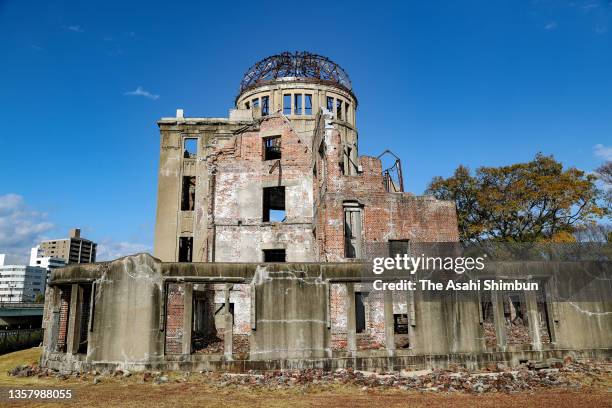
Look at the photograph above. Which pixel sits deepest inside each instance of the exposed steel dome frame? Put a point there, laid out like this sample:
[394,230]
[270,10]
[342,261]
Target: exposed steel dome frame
[304,65]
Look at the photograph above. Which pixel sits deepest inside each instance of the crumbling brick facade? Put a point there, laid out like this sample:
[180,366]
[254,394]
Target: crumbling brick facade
[281,180]
[296,136]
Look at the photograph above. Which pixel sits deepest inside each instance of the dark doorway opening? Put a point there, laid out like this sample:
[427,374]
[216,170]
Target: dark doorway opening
[360,317]
[185,249]
[274,255]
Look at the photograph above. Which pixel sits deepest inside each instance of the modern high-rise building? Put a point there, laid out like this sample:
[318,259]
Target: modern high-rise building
[21,283]
[73,249]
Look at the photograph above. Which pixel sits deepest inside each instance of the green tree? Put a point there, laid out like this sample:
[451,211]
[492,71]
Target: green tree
[524,202]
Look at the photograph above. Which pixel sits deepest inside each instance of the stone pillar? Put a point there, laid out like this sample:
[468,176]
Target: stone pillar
[483,340]
[74,320]
[187,317]
[533,319]
[389,323]
[410,299]
[50,317]
[497,300]
[229,325]
[552,313]
[351,322]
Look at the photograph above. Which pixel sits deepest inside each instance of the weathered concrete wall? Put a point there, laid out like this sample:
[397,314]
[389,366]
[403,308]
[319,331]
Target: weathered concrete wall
[126,321]
[141,314]
[291,317]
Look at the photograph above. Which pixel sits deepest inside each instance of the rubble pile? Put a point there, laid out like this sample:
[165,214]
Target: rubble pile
[489,334]
[215,344]
[35,370]
[497,378]
[517,332]
[207,344]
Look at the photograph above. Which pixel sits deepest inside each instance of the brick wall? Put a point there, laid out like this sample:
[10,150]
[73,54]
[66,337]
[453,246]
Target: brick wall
[175,309]
[337,299]
[65,295]
[241,175]
[385,216]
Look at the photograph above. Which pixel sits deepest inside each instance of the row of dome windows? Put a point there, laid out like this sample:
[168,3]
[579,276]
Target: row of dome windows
[301,104]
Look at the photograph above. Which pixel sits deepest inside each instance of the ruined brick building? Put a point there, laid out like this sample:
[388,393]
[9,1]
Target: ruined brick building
[281,179]
[265,224]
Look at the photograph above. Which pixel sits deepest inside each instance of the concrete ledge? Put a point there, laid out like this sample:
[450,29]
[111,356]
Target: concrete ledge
[201,362]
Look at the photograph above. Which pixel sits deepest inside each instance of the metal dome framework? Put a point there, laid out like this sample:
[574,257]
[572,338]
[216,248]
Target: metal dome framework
[303,65]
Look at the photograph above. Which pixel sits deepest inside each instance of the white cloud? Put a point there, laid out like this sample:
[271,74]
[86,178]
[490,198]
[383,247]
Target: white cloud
[589,6]
[20,228]
[551,26]
[109,250]
[141,92]
[602,151]
[73,28]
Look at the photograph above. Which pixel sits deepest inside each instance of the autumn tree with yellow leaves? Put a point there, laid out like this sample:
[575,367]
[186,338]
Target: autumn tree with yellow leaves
[524,202]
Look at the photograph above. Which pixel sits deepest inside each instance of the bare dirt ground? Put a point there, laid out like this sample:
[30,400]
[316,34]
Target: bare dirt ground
[205,390]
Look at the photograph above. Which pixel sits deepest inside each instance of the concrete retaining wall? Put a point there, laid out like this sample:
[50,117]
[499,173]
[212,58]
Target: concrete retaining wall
[128,320]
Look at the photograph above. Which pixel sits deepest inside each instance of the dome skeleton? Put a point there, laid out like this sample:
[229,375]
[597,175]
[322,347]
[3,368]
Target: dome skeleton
[295,65]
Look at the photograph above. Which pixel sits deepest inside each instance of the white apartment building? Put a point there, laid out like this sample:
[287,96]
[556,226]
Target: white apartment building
[21,283]
[38,258]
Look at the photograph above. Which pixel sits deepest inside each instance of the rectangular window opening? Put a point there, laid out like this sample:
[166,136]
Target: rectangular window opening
[247,105]
[265,105]
[287,104]
[190,148]
[274,204]
[400,323]
[185,249]
[297,104]
[399,247]
[307,104]
[204,330]
[352,231]
[360,315]
[272,148]
[188,193]
[330,104]
[339,109]
[84,325]
[274,255]
[545,318]
[515,314]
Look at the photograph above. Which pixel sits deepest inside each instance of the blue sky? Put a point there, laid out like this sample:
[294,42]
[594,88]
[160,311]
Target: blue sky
[439,83]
